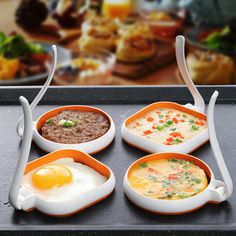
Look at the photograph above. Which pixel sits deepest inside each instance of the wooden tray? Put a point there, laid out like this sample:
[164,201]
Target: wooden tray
[164,55]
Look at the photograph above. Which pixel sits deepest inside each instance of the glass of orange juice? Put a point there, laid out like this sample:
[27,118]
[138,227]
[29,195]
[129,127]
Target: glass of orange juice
[116,8]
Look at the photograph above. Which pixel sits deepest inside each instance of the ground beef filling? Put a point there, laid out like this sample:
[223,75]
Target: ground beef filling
[72,127]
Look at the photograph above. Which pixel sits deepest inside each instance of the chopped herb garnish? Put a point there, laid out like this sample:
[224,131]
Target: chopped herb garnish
[160,128]
[173,129]
[49,122]
[195,127]
[177,140]
[165,125]
[191,121]
[143,165]
[169,122]
[196,180]
[161,116]
[66,123]
[185,116]
[153,178]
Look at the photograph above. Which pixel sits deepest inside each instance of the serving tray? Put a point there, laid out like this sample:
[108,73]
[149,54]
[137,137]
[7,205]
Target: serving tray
[116,215]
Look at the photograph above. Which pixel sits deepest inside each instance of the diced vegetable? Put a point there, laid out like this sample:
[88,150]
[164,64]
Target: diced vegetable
[146,132]
[150,119]
[49,122]
[143,165]
[66,123]
[195,127]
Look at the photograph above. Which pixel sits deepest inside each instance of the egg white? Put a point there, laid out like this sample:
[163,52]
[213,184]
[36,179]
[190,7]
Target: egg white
[84,178]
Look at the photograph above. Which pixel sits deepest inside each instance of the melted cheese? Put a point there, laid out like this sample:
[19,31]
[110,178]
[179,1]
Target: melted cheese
[169,179]
[167,126]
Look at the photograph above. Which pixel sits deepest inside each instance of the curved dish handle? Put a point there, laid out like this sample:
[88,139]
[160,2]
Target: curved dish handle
[216,148]
[180,57]
[20,124]
[24,154]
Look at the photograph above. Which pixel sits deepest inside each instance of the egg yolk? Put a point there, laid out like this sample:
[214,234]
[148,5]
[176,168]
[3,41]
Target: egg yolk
[51,176]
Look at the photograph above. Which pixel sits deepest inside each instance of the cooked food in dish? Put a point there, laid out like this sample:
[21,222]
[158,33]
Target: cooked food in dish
[85,68]
[62,179]
[219,39]
[97,39]
[78,67]
[161,23]
[167,126]
[169,179]
[210,68]
[74,126]
[100,23]
[135,44]
[19,58]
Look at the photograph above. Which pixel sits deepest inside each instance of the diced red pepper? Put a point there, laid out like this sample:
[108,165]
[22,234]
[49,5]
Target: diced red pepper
[175,134]
[182,120]
[170,139]
[175,120]
[202,123]
[146,132]
[150,119]
[173,176]
[178,115]
[161,121]
[154,127]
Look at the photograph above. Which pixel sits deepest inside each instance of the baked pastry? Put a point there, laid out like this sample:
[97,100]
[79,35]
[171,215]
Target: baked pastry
[100,23]
[97,39]
[135,44]
[210,68]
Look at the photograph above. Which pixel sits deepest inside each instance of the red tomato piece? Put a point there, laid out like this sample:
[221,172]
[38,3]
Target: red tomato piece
[146,132]
[170,139]
[150,119]
[175,120]
[173,176]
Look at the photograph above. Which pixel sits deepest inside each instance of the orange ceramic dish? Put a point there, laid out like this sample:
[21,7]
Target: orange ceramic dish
[145,141]
[93,146]
[176,206]
[73,204]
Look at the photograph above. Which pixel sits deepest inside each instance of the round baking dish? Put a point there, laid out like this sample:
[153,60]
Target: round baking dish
[90,147]
[213,193]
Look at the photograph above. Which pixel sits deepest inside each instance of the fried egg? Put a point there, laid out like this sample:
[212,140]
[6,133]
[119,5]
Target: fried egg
[62,179]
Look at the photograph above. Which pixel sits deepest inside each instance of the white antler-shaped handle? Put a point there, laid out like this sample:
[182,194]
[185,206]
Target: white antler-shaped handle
[216,148]
[20,125]
[180,56]
[24,154]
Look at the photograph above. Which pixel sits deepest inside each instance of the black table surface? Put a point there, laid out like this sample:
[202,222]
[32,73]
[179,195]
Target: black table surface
[116,215]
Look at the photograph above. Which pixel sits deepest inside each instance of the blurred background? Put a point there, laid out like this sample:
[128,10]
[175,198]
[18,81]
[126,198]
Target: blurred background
[116,42]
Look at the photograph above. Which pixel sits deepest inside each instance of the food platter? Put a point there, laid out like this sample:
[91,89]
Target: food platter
[123,215]
[193,36]
[63,55]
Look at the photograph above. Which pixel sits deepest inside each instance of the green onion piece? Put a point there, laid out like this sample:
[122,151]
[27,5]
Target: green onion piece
[169,122]
[173,129]
[185,116]
[66,123]
[177,140]
[191,121]
[49,122]
[143,165]
[195,127]
[160,128]
[161,116]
